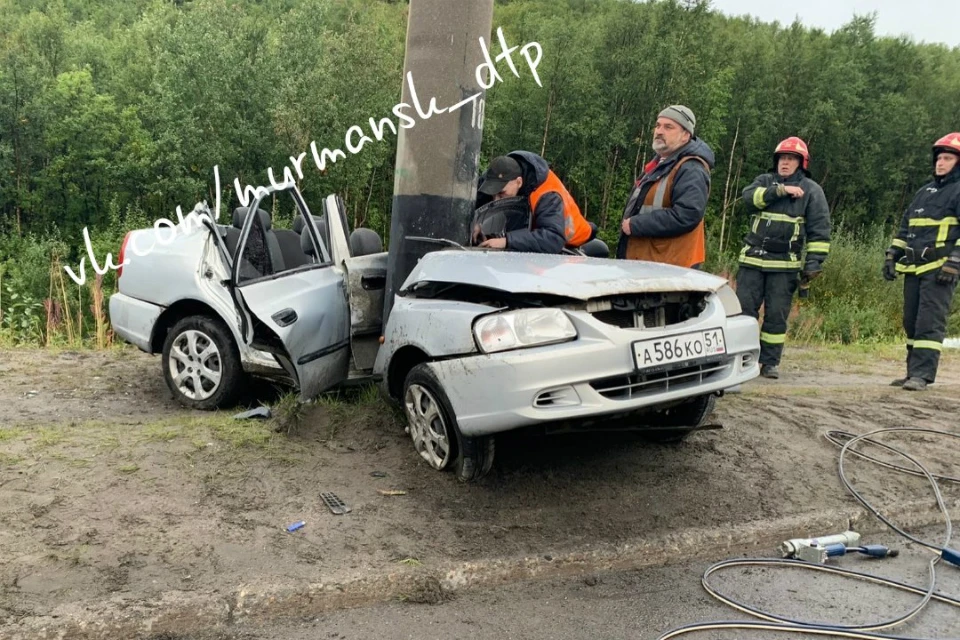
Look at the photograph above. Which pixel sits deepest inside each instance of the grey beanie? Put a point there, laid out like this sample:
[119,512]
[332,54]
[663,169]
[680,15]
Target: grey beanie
[681,115]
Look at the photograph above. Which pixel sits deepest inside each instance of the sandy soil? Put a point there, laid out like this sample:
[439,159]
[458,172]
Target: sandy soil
[109,489]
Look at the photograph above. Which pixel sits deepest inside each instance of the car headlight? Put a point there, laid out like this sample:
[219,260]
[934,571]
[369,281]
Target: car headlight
[729,300]
[522,328]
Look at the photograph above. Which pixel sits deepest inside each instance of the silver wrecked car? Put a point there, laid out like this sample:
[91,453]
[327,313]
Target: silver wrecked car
[477,342]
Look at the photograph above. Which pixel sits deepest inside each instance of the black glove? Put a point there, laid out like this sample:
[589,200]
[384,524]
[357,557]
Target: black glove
[950,271]
[890,268]
[811,271]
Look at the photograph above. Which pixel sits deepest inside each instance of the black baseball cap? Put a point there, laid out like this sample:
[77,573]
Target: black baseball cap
[502,170]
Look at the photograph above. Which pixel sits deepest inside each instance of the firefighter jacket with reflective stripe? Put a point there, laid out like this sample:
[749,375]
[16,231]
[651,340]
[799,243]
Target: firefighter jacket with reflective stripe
[930,227]
[783,226]
[576,229]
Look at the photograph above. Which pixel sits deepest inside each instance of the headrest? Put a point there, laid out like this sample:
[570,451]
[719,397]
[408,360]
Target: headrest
[596,248]
[306,245]
[364,242]
[240,215]
[299,223]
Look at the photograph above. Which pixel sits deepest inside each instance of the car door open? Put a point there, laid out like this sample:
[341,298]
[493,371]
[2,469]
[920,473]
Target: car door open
[292,305]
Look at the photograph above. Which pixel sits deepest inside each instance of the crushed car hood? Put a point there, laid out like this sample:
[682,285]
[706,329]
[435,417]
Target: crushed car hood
[561,275]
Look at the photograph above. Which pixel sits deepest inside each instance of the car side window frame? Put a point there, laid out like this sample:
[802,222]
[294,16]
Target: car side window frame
[325,257]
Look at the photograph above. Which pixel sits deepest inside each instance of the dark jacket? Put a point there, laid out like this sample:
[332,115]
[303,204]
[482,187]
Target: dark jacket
[691,188]
[546,234]
[783,226]
[930,228]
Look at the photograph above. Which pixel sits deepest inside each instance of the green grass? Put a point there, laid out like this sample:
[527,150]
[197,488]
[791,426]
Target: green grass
[11,434]
[202,429]
[110,436]
[195,433]
[848,354]
[410,562]
[160,432]
[9,460]
[242,433]
[288,413]
[48,437]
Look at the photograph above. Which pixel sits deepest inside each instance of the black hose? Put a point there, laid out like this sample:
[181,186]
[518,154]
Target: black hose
[783,624]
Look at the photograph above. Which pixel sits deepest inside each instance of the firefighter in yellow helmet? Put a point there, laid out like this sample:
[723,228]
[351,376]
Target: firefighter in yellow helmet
[790,215]
[926,250]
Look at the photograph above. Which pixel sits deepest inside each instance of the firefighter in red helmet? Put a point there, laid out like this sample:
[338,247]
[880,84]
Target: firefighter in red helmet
[791,217]
[926,250]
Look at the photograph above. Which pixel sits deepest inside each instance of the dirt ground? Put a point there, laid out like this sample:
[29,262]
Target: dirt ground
[108,489]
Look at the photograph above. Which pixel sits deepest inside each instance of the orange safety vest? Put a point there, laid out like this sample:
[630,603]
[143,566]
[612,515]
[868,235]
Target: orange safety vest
[576,229]
[684,250]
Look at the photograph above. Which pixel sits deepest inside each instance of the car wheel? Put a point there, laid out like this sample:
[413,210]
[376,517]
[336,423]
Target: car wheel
[433,428]
[692,413]
[201,363]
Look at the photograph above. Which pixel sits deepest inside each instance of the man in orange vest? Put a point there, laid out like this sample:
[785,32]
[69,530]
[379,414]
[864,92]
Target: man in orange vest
[663,219]
[556,219]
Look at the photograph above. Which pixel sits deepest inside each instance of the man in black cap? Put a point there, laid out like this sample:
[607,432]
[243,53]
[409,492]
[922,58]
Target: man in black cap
[556,221]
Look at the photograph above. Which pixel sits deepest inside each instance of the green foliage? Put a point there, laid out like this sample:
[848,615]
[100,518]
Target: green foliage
[114,113]
[850,302]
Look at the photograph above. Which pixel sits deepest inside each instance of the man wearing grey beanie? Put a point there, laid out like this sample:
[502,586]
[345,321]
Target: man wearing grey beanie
[663,219]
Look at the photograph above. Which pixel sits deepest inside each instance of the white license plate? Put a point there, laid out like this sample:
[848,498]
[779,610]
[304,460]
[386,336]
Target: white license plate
[687,347]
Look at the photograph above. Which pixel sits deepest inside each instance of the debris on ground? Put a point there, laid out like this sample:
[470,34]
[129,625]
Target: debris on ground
[262,413]
[337,506]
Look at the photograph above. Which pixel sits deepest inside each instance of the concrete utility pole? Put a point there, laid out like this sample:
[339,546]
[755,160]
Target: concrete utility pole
[435,185]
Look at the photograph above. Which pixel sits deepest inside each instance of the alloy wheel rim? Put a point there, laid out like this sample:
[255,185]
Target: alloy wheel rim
[428,429]
[195,365]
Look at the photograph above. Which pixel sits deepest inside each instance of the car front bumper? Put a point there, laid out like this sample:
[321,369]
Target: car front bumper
[590,377]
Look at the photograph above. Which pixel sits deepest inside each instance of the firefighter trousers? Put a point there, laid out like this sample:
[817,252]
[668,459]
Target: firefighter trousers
[774,290]
[926,305]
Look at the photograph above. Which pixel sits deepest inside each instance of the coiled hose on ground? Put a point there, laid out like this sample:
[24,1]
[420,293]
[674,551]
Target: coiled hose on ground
[772,622]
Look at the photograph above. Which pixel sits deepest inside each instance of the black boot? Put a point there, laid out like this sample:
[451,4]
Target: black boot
[915,384]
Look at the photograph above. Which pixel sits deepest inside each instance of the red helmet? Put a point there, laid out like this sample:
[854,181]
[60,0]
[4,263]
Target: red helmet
[949,142]
[795,146]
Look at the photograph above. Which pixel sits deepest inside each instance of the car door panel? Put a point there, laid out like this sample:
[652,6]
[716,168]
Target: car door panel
[301,316]
[307,311]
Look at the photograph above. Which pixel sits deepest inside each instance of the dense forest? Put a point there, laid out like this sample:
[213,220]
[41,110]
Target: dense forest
[112,113]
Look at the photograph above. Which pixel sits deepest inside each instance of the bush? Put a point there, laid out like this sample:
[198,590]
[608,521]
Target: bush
[40,304]
[851,302]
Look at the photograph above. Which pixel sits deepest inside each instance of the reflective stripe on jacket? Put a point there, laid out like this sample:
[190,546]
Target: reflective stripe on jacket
[930,227]
[783,226]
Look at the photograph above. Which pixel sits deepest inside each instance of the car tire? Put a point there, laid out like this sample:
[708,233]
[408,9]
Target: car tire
[693,413]
[432,426]
[196,348]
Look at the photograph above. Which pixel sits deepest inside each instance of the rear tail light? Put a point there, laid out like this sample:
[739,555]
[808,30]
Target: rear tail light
[123,250]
